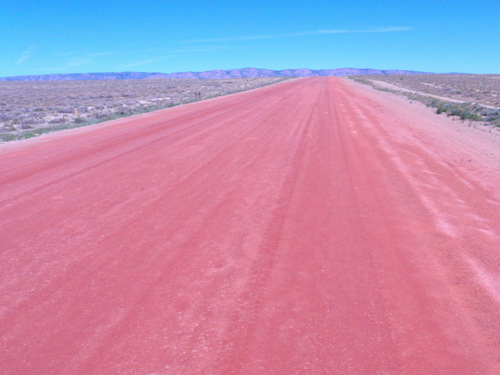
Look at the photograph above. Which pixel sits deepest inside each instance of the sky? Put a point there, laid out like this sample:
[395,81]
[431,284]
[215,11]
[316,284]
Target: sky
[81,36]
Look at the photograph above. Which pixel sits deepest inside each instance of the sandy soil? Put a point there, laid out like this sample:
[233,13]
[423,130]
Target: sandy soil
[31,108]
[390,86]
[316,226]
[475,88]
[480,140]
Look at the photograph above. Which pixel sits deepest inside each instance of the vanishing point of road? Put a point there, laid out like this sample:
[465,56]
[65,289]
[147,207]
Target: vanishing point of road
[302,228]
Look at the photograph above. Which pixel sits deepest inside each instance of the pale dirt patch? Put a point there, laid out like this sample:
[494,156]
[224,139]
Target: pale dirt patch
[390,86]
[474,145]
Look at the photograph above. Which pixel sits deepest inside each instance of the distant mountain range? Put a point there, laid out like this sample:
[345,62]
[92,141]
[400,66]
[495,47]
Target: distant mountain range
[210,74]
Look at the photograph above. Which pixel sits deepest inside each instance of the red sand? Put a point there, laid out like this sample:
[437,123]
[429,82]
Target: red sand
[306,227]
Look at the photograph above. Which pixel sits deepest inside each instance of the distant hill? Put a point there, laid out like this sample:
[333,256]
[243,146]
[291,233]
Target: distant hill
[210,74]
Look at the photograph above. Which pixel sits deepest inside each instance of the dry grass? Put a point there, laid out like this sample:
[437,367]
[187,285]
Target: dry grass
[469,96]
[28,109]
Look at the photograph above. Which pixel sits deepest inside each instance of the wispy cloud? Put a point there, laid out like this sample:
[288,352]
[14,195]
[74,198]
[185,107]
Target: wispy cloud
[71,59]
[25,55]
[388,29]
[65,54]
[142,62]
[78,62]
[98,54]
[170,53]
[84,55]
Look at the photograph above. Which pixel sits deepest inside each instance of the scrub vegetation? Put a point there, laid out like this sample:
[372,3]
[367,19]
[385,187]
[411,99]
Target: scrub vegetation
[28,109]
[471,97]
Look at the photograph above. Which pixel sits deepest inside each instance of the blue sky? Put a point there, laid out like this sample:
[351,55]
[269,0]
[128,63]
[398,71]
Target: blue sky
[53,36]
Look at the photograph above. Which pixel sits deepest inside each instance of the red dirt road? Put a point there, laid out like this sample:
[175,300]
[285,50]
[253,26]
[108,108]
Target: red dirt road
[302,228]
